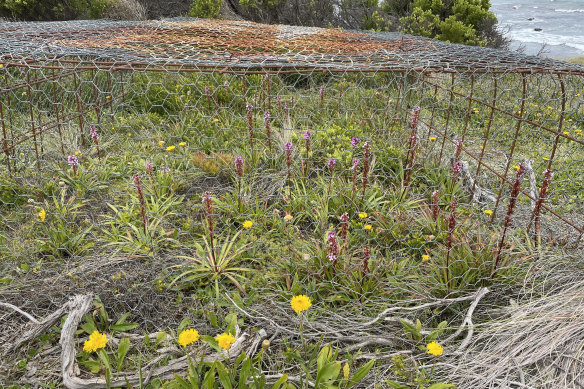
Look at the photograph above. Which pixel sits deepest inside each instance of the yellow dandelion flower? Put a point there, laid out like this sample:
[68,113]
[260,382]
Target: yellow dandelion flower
[566,133]
[516,167]
[108,97]
[247,224]
[225,340]
[160,143]
[95,342]
[182,144]
[300,303]
[367,227]
[187,337]
[363,215]
[577,95]
[215,120]
[488,212]
[432,138]
[425,257]
[42,214]
[1,66]
[434,349]
[170,148]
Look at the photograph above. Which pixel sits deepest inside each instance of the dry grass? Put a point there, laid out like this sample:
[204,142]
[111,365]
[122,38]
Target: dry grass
[125,10]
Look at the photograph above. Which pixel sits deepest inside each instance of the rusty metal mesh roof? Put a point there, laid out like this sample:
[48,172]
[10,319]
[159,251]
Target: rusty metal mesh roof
[240,44]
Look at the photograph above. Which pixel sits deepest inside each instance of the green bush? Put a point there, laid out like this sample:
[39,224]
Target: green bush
[208,9]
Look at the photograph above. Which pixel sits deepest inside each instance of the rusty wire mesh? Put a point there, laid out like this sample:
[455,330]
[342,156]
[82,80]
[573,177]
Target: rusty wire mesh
[90,112]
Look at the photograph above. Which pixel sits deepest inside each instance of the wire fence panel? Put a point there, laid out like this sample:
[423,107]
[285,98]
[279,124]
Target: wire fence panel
[197,169]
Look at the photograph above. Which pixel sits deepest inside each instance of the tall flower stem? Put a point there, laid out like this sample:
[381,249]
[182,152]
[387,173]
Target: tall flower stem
[451,228]
[510,209]
[138,185]
[209,210]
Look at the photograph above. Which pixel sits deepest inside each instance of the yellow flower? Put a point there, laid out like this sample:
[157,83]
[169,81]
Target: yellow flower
[170,148]
[288,217]
[434,349]
[488,212]
[160,143]
[576,95]
[425,257]
[247,224]
[367,227]
[187,337]
[432,138]
[1,66]
[300,303]
[96,341]
[566,133]
[516,167]
[108,97]
[182,144]
[363,215]
[225,340]
[215,120]
[346,371]
[42,214]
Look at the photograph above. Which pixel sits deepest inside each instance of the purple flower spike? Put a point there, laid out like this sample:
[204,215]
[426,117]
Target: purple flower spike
[239,165]
[354,141]
[307,135]
[93,132]
[288,146]
[355,163]
[331,164]
[457,167]
[73,161]
[207,90]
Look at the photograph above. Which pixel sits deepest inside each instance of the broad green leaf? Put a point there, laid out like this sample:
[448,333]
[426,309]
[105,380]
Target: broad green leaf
[396,385]
[122,351]
[223,375]
[441,386]
[160,337]
[361,373]
[123,327]
[280,382]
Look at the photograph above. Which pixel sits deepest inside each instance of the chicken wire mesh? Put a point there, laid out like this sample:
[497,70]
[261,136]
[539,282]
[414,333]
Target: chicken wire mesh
[189,168]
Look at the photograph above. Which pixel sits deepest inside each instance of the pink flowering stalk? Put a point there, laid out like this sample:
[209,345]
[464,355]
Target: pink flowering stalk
[208,205]
[331,165]
[451,228]
[365,265]
[355,142]
[268,130]
[321,96]
[366,156]
[307,136]
[355,169]
[459,145]
[510,209]
[333,248]
[239,170]
[73,162]
[150,169]
[435,206]
[288,149]
[208,94]
[415,117]
[95,138]
[456,169]
[411,157]
[340,95]
[344,227]
[138,184]
[226,86]
[547,176]
[250,125]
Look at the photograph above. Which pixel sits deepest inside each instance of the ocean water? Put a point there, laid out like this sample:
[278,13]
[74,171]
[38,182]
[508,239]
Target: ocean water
[560,24]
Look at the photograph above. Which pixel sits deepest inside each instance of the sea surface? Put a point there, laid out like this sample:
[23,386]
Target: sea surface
[553,27]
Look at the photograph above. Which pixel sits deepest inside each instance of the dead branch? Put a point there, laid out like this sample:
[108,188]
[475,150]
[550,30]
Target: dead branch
[25,314]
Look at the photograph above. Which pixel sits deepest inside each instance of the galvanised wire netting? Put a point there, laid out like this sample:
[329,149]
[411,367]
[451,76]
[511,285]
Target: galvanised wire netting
[199,169]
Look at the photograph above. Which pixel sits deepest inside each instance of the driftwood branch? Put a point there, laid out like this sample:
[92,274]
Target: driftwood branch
[479,194]
[467,322]
[44,325]
[25,314]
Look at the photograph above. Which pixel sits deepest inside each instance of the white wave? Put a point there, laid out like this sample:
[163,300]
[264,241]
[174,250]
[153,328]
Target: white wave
[570,11]
[530,36]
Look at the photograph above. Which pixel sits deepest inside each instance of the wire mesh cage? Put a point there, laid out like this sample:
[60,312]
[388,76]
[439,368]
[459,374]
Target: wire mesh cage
[191,168]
